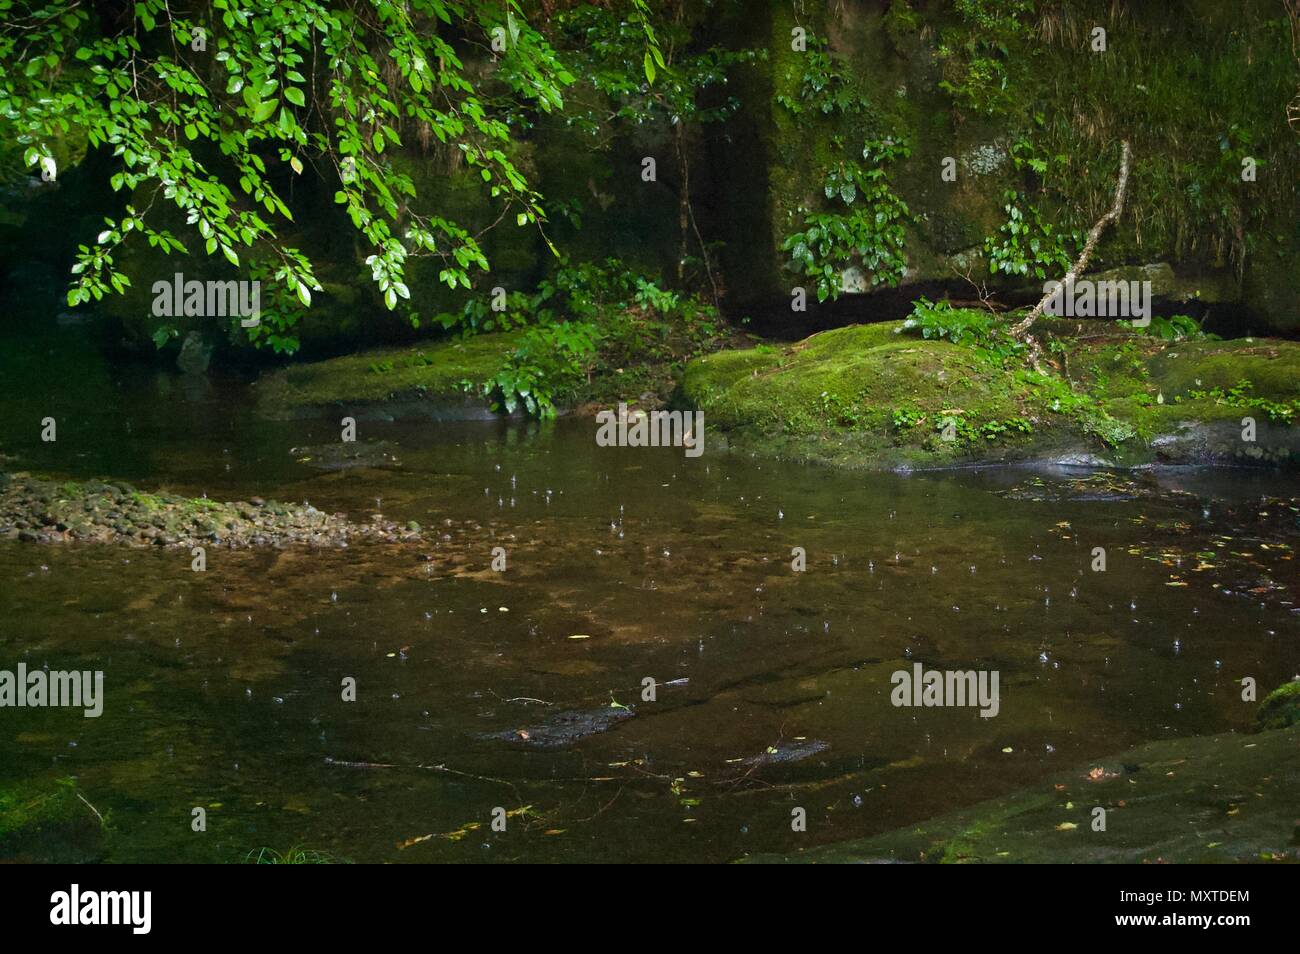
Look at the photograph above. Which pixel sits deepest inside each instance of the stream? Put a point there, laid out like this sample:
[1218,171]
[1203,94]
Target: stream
[523,690]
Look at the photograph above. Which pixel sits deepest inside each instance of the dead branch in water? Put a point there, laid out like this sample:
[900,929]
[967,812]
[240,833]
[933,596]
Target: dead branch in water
[1021,329]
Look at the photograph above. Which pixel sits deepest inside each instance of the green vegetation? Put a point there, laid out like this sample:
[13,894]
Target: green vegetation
[822,86]
[871,232]
[429,370]
[298,87]
[876,396]
[590,333]
[1026,244]
[1280,709]
[1210,97]
[49,822]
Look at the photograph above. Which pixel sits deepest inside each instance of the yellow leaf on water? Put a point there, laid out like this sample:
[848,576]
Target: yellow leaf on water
[1066,826]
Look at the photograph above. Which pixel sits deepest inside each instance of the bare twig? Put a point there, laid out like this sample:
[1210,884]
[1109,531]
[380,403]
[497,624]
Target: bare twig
[1021,329]
[102,823]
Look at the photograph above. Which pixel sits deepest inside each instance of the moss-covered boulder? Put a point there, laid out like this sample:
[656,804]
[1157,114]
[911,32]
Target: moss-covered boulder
[1281,707]
[873,396]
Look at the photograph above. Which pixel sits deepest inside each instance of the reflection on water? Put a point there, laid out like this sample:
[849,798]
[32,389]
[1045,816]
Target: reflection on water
[478,689]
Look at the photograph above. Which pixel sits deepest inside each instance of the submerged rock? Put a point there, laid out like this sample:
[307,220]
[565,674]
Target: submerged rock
[195,354]
[795,751]
[41,511]
[349,455]
[566,728]
[1218,798]
[47,823]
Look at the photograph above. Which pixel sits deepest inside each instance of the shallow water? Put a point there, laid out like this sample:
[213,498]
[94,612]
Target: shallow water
[223,688]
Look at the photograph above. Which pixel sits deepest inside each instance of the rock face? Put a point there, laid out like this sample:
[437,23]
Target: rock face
[863,72]
[893,71]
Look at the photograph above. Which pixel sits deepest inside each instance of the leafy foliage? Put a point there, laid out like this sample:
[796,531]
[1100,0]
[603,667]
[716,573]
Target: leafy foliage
[214,111]
[980,64]
[1279,412]
[1173,328]
[1027,243]
[550,358]
[612,318]
[872,231]
[823,88]
[971,327]
[608,53]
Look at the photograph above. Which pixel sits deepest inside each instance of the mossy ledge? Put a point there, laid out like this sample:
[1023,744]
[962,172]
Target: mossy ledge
[33,510]
[424,381]
[1205,799]
[873,397]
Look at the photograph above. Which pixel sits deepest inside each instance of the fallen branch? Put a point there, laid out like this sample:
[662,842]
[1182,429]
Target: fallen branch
[1021,329]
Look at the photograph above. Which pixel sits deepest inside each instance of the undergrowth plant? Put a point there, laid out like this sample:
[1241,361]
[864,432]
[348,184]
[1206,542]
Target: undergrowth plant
[585,318]
[866,225]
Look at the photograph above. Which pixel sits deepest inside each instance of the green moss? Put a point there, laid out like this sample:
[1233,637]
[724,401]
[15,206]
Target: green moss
[49,823]
[431,370]
[847,383]
[868,396]
[1280,708]
[1220,798]
[1156,385]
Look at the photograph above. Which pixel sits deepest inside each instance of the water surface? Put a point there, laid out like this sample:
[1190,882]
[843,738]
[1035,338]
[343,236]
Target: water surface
[224,687]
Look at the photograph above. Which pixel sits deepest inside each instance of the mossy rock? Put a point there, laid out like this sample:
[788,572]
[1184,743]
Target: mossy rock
[869,396]
[833,397]
[424,380]
[48,823]
[1280,708]
[1205,799]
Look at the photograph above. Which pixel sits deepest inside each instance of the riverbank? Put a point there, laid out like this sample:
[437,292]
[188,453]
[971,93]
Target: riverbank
[878,397]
